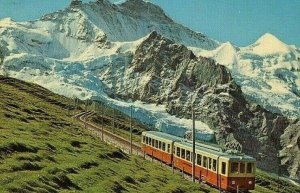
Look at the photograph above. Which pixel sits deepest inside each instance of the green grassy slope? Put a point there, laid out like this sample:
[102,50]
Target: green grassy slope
[43,150]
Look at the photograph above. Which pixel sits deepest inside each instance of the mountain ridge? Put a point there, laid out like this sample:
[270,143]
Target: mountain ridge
[266,70]
[127,22]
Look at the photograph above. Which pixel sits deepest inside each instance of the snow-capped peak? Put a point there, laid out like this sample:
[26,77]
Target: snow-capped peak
[268,38]
[6,22]
[6,19]
[228,47]
[269,44]
[226,54]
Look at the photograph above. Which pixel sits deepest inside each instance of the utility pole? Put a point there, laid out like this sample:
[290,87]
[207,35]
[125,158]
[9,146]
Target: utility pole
[93,106]
[86,103]
[86,106]
[114,116]
[75,107]
[193,155]
[130,129]
[278,172]
[102,121]
[69,109]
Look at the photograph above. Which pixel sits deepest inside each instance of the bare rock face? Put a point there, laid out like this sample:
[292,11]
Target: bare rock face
[75,3]
[290,156]
[3,51]
[140,7]
[170,70]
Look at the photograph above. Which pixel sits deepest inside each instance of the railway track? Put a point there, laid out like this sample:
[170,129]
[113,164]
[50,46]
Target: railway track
[118,141]
[107,136]
[117,121]
[124,144]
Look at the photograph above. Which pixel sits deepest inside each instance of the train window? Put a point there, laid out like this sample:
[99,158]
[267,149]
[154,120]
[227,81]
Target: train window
[168,150]
[156,143]
[163,146]
[144,139]
[209,163]
[242,167]
[199,159]
[188,155]
[178,152]
[204,161]
[223,171]
[147,140]
[249,167]
[150,141]
[159,144]
[214,165]
[153,141]
[183,153]
[234,167]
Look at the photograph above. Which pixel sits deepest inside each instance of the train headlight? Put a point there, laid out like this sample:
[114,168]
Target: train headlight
[250,182]
[233,182]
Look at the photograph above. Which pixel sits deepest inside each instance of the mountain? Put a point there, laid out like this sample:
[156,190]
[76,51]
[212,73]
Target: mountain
[267,71]
[268,45]
[132,54]
[61,48]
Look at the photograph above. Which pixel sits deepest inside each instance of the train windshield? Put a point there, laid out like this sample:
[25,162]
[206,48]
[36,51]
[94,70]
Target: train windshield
[250,167]
[241,167]
[234,167]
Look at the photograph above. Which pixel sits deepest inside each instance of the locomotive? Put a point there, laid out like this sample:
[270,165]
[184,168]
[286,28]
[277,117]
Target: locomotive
[222,169]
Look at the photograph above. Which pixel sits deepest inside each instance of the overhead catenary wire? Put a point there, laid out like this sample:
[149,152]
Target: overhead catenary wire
[193,154]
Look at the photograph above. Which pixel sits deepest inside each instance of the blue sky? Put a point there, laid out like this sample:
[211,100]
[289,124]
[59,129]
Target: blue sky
[238,21]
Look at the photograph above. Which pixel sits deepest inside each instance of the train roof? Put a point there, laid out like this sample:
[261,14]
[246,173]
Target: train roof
[236,157]
[162,135]
[213,149]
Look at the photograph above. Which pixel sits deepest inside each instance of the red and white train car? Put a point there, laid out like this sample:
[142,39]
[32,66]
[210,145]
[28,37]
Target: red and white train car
[223,170]
[159,145]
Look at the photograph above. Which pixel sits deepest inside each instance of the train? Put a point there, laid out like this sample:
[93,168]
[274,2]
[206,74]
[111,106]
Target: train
[222,169]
